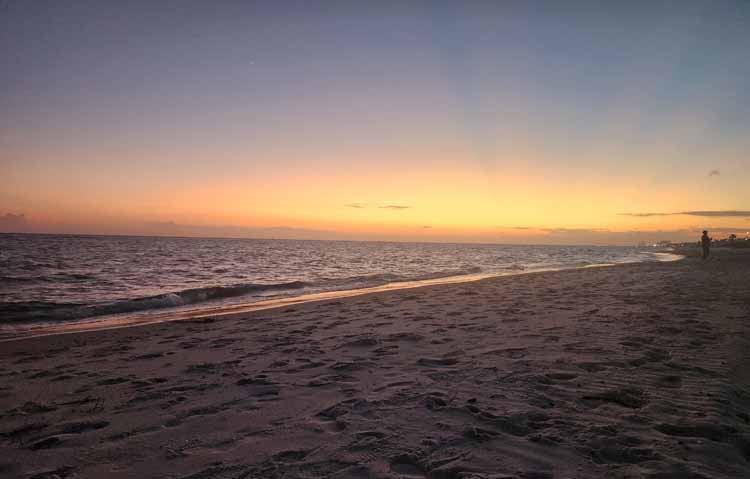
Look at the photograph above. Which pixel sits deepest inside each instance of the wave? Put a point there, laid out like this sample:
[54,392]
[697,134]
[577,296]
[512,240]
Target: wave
[364,281]
[54,278]
[47,311]
[17,279]
[37,311]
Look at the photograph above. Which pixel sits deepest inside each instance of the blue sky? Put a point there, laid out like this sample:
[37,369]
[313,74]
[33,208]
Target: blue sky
[137,112]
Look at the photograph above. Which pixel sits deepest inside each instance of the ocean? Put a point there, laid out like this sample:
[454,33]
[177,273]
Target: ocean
[64,278]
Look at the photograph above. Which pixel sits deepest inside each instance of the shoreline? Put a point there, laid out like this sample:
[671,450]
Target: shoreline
[634,371]
[155,316]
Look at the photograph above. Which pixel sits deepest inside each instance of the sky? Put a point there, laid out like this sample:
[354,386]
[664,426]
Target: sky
[506,122]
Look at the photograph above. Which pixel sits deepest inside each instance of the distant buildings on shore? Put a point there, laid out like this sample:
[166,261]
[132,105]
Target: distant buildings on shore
[731,241]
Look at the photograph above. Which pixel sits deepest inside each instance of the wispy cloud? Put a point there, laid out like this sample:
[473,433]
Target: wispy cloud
[385,207]
[645,215]
[395,207]
[725,213]
[714,173]
[716,214]
[574,230]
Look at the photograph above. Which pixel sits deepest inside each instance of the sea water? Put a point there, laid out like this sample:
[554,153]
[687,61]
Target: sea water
[59,278]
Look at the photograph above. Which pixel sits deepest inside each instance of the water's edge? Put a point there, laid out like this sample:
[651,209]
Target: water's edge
[142,318]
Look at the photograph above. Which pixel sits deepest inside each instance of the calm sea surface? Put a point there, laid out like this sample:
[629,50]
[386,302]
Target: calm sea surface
[56,278]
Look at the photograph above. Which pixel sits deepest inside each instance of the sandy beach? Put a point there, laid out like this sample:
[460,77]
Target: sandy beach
[627,371]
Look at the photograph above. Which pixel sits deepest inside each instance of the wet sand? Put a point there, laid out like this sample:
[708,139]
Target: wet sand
[626,371]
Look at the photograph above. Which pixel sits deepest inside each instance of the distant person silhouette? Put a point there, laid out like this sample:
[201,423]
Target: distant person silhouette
[705,244]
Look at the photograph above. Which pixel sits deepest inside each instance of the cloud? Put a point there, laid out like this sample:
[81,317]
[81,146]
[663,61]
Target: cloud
[726,213]
[395,207]
[574,230]
[715,214]
[10,223]
[644,215]
[385,207]
[714,173]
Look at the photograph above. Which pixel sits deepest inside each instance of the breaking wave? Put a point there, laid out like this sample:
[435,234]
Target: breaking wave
[51,311]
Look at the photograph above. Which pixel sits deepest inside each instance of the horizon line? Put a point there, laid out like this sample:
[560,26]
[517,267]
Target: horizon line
[308,239]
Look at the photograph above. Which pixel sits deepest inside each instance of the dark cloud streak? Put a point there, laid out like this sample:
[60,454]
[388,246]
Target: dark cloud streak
[714,214]
[384,207]
[394,207]
[727,213]
[645,215]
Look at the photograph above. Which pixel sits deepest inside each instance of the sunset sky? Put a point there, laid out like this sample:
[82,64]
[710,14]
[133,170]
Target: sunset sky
[543,122]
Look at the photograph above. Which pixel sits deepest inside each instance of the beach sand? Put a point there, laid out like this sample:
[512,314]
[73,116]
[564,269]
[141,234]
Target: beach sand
[628,371]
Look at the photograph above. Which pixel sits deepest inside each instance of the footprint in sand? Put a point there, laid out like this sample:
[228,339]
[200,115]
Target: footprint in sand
[290,456]
[79,427]
[512,353]
[348,366]
[360,343]
[562,376]
[437,362]
[479,434]
[629,397]
[393,385]
[366,440]
[407,465]
[670,381]
[327,380]
[413,337]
